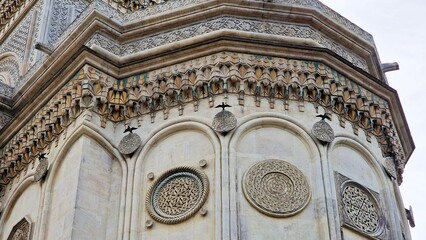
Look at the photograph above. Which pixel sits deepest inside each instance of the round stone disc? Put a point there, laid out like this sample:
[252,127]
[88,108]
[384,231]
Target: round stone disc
[224,122]
[130,143]
[323,131]
[390,167]
[41,170]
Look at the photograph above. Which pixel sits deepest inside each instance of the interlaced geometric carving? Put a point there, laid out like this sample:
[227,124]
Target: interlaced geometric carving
[177,195]
[276,188]
[360,209]
[21,231]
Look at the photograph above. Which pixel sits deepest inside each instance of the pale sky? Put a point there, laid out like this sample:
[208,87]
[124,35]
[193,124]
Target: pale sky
[399,30]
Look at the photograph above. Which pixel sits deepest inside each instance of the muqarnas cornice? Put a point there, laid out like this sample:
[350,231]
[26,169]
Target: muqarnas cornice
[183,85]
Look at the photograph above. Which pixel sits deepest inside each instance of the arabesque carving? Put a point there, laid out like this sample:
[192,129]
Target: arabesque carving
[276,188]
[360,208]
[177,195]
[183,85]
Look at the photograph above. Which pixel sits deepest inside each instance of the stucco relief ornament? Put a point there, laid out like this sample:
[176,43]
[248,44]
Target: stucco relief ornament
[130,143]
[322,130]
[276,188]
[42,167]
[224,121]
[21,231]
[177,195]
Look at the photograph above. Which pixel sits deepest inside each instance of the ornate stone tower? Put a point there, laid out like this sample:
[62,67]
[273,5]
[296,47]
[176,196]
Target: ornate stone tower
[196,119]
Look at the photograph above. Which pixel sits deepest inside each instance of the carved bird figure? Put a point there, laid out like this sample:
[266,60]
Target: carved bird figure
[324,116]
[223,106]
[129,129]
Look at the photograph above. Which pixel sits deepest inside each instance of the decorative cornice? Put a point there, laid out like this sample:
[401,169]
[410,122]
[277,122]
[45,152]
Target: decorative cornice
[186,83]
[230,23]
[11,12]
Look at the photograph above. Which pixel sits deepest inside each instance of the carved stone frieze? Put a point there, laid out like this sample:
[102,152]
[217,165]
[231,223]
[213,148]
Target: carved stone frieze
[9,71]
[276,188]
[184,84]
[232,23]
[21,231]
[177,195]
[360,208]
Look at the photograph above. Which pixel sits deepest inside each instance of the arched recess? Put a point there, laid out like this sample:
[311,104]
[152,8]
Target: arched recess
[351,159]
[10,70]
[23,203]
[182,143]
[264,136]
[85,189]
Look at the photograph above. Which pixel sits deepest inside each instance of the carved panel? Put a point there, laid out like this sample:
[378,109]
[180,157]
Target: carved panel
[359,208]
[21,231]
[63,13]
[279,29]
[276,188]
[177,195]
[9,71]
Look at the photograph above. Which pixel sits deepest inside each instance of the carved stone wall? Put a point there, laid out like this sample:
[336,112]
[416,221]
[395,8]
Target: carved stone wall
[176,86]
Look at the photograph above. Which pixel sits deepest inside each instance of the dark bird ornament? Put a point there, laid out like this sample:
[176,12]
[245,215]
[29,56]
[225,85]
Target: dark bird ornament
[223,106]
[41,156]
[323,116]
[129,129]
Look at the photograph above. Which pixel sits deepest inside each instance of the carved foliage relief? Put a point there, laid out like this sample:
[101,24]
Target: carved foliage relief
[21,231]
[177,195]
[276,188]
[360,208]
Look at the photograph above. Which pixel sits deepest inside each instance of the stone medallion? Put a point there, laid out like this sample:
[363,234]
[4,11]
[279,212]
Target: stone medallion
[130,143]
[323,131]
[390,167]
[361,209]
[276,188]
[224,121]
[41,170]
[177,195]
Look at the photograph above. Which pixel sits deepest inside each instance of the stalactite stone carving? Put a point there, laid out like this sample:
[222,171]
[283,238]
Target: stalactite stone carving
[41,170]
[359,208]
[177,195]
[323,131]
[130,143]
[21,231]
[276,188]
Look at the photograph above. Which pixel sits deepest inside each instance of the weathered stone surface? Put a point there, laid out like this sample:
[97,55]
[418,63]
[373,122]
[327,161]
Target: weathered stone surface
[41,170]
[323,131]
[130,143]
[224,121]
[177,195]
[276,188]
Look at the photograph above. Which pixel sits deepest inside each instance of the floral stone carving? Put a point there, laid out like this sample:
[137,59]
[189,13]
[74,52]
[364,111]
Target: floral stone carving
[130,143]
[360,209]
[323,131]
[177,195]
[276,188]
[389,166]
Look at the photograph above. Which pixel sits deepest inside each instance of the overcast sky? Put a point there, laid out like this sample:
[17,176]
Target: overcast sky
[399,30]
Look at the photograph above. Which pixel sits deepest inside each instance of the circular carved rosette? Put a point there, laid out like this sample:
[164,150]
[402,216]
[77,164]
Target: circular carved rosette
[361,208]
[276,188]
[389,166]
[130,143]
[177,195]
[224,121]
[41,170]
[323,131]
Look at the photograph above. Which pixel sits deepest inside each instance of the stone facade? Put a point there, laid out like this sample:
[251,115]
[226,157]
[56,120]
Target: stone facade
[112,129]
